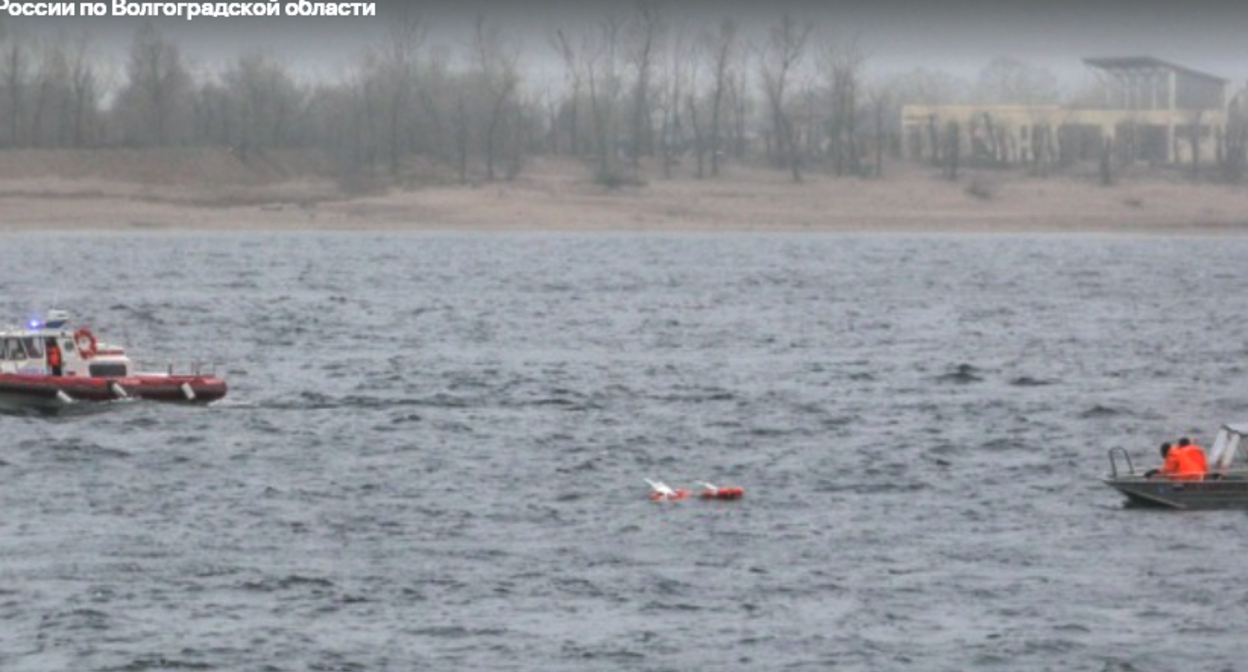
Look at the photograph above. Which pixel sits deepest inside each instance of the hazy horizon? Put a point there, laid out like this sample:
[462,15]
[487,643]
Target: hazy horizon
[959,37]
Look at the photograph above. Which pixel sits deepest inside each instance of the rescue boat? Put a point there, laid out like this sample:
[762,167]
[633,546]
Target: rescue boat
[88,371]
[1223,486]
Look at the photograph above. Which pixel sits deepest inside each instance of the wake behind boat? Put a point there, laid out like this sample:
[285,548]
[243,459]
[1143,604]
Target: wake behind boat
[49,365]
[1223,486]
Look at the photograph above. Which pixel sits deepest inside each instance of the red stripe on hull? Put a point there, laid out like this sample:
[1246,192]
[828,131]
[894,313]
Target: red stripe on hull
[43,389]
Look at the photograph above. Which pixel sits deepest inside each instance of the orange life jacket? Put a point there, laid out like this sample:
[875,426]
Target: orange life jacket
[54,356]
[1190,461]
[1173,464]
[1198,454]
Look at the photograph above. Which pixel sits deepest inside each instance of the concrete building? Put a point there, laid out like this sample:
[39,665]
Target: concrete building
[1148,110]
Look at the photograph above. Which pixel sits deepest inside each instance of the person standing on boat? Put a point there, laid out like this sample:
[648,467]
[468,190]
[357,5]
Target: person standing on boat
[55,363]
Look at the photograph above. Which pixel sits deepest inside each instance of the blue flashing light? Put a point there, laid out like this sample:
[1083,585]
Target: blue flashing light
[34,324]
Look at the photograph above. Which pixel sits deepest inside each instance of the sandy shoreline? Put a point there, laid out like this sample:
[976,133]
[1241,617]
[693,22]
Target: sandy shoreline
[558,196]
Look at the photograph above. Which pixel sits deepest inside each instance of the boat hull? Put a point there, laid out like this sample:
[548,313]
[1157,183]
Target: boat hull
[1228,492]
[54,392]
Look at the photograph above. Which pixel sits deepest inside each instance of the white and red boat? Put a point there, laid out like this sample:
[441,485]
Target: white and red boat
[87,371]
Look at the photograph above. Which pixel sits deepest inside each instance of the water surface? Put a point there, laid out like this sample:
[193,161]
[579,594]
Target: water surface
[433,449]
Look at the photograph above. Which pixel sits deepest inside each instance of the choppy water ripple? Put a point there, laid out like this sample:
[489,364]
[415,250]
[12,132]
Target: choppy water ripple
[433,451]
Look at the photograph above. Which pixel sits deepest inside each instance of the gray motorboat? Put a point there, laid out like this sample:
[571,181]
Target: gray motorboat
[1224,486]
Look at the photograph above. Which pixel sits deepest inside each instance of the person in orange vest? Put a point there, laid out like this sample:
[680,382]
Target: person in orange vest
[55,364]
[1169,465]
[1183,462]
[1195,456]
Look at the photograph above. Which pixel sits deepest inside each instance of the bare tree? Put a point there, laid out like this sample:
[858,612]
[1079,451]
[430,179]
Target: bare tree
[953,148]
[1106,162]
[49,122]
[212,121]
[545,100]
[692,104]
[738,93]
[1235,140]
[723,50]
[604,91]
[1043,147]
[574,76]
[497,63]
[157,86]
[1193,137]
[1009,80]
[929,87]
[933,139]
[842,67]
[263,101]
[84,90]
[646,32]
[16,75]
[880,98]
[436,100]
[363,121]
[783,52]
[400,62]
[672,127]
[926,87]
[461,138]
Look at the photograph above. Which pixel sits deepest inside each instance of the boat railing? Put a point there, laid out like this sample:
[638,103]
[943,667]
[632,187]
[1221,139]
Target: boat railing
[195,367]
[1113,462]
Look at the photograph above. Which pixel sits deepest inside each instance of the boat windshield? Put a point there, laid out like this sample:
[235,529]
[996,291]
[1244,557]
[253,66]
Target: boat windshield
[1229,448]
[13,349]
[33,347]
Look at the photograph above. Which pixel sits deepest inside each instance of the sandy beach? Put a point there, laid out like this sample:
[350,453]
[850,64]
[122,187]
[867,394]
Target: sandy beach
[122,190]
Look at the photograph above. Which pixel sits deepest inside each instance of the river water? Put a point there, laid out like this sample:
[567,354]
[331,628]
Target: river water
[433,454]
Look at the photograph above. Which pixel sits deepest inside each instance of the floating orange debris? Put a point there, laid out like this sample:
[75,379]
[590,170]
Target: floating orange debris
[674,495]
[662,492]
[711,491]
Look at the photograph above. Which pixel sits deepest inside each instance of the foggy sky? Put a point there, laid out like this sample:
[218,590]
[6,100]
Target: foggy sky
[957,36]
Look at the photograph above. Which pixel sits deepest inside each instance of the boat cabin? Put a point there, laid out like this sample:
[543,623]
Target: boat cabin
[24,350]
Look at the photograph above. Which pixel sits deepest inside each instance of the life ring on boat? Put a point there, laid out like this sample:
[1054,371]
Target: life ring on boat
[85,342]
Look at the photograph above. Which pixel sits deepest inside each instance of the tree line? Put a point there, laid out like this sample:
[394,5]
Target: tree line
[628,88]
